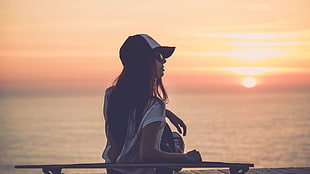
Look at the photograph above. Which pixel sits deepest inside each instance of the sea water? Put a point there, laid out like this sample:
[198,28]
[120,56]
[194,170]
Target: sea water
[267,129]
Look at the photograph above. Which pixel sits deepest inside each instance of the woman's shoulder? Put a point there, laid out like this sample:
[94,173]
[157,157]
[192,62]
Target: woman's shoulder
[155,101]
[155,111]
[108,90]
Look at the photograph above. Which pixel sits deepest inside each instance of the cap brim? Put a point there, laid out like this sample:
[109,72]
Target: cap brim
[165,51]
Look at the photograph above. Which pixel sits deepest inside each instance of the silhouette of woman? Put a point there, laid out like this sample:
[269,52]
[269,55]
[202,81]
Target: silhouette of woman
[135,110]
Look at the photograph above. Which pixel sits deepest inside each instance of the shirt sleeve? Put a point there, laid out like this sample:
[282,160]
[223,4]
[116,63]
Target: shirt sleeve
[156,112]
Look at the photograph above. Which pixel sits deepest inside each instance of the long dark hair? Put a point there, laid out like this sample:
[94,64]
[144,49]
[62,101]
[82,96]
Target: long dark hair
[132,90]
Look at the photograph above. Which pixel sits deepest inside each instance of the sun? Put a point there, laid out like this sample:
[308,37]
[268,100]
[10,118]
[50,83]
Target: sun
[249,82]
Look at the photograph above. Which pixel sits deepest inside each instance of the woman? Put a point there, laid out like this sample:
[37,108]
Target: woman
[134,109]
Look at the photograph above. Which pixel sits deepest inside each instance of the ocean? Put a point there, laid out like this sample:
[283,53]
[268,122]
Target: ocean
[267,129]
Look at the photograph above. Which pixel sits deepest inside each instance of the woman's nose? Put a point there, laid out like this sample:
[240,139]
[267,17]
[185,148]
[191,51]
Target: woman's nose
[164,61]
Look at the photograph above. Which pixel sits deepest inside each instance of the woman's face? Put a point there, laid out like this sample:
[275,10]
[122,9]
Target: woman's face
[159,65]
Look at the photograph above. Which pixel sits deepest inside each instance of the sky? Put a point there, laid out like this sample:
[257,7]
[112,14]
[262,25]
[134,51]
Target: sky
[73,45]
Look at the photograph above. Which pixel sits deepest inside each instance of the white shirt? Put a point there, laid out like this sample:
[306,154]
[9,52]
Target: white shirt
[154,111]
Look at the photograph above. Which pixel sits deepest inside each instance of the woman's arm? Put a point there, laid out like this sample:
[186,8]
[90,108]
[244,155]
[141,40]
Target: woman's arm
[149,151]
[176,121]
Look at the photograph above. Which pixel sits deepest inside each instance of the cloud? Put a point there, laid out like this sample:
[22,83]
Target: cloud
[249,35]
[249,70]
[264,44]
[249,55]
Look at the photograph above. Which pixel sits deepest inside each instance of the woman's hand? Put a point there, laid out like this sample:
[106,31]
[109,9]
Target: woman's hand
[176,121]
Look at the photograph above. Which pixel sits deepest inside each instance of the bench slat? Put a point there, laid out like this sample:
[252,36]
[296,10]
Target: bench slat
[56,168]
[147,165]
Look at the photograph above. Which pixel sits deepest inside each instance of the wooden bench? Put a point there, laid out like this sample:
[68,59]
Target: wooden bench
[234,168]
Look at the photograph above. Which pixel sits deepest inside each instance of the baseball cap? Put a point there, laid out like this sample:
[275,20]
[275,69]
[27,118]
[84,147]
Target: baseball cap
[166,51]
[135,45]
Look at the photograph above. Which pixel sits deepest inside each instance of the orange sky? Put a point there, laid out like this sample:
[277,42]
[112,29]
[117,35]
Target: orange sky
[73,44]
